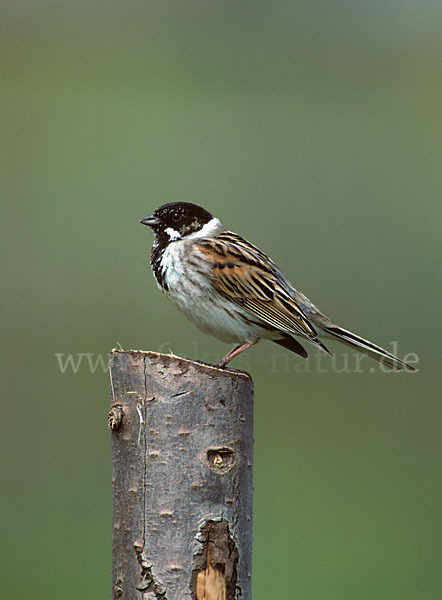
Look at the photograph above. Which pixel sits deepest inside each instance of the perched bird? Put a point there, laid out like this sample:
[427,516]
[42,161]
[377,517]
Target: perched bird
[234,291]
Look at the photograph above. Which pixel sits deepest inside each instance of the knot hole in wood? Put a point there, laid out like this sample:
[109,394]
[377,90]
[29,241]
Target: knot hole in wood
[221,460]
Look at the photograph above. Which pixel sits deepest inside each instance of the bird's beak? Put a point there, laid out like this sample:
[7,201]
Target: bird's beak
[150,220]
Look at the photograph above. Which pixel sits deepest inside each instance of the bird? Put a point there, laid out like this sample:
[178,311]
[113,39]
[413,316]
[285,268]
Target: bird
[232,290]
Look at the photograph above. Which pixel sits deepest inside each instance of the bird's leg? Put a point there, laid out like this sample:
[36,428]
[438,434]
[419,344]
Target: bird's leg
[237,350]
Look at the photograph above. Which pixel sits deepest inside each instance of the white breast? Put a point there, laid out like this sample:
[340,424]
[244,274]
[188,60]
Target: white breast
[186,274]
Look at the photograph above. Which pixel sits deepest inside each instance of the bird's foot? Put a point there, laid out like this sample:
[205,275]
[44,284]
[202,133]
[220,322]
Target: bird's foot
[237,350]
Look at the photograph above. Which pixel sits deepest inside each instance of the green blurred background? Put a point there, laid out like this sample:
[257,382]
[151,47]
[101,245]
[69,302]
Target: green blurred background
[312,128]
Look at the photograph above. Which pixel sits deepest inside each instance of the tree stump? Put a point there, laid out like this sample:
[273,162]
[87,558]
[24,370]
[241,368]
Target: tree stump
[182,454]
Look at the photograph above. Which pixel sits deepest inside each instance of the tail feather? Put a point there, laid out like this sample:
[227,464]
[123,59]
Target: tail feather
[376,352]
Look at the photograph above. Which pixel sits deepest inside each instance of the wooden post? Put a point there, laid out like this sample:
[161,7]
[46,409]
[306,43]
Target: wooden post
[182,452]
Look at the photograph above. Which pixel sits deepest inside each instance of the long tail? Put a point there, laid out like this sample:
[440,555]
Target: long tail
[376,352]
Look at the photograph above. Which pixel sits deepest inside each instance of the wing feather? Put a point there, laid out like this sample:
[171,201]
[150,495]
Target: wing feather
[246,276]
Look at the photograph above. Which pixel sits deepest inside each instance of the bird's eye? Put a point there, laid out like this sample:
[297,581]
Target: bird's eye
[175,217]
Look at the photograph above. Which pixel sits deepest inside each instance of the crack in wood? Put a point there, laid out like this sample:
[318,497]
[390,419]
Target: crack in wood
[216,565]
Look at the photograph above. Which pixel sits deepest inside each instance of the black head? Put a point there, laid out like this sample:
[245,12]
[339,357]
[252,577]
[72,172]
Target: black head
[177,220]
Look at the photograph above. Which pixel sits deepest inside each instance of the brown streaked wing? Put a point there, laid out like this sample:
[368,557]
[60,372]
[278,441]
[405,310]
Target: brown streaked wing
[244,275]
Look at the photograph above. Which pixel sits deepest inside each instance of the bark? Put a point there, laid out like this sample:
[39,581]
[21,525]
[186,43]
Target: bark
[182,452]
